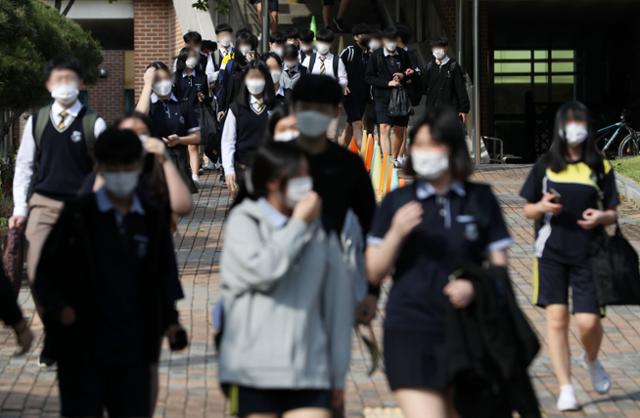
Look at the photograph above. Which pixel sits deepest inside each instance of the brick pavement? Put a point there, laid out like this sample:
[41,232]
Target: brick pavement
[188,380]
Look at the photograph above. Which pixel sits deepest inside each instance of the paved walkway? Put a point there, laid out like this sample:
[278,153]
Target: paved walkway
[188,380]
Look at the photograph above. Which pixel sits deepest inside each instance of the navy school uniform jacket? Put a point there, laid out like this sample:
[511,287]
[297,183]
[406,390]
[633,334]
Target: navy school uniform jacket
[445,86]
[378,74]
[78,269]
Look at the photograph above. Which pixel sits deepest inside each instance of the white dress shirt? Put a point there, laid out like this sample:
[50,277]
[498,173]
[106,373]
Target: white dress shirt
[229,137]
[22,177]
[328,65]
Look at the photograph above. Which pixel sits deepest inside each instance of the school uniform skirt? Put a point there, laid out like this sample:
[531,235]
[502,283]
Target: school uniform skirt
[180,157]
[411,360]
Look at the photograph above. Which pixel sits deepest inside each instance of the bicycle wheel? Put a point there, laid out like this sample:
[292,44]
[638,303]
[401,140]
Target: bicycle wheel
[628,147]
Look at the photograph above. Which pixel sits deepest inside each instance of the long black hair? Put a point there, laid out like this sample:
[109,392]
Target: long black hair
[445,129]
[181,62]
[274,161]
[556,158]
[268,95]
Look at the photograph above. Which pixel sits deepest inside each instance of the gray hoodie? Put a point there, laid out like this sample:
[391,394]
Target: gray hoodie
[287,302]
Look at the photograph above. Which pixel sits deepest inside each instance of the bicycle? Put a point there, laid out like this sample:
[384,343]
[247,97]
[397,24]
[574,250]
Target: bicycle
[629,145]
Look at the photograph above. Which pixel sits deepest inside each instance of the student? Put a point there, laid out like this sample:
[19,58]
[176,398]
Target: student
[273,12]
[388,68]
[375,40]
[245,123]
[571,193]
[276,43]
[420,235]
[444,79]
[282,126]
[55,155]
[339,176]
[355,58]
[293,69]
[292,36]
[173,121]
[204,62]
[11,314]
[274,64]
[307,38]
[161,182]
[323,62]
[106,312]
[224,36]
[283,277]
[191,87]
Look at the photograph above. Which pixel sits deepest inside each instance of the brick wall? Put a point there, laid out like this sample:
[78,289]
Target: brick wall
[154,35]
[106,96]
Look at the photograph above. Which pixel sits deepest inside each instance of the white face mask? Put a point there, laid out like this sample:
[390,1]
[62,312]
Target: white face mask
[297,189]
[244,49]
[278,50]
[275,75]
[163,88]
[285,136]
[374,44]
[575,133]
[438,53]
[429,165]
[191,62]
[323,48]
[390,46]
[121,184]
[255,85]
[312,124]
[225,41]
[65,94]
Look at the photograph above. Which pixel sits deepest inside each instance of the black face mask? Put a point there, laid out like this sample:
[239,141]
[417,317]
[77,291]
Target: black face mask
[364,43]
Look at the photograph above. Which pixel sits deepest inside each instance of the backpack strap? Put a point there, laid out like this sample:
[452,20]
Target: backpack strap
[312,62]
[336,63]
[216,59]
[88,129]
[39,123]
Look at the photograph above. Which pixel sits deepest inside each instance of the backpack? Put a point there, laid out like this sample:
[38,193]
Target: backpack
[312,63]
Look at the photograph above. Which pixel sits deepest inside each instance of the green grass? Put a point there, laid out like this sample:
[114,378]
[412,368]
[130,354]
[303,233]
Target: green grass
[629,167]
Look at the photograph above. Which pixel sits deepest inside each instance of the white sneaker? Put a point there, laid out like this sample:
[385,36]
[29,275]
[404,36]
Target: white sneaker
[195,179]
[567,399]
[599,378]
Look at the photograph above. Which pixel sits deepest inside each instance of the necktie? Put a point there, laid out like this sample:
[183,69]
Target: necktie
[63,116]
[259,106]
[323,69]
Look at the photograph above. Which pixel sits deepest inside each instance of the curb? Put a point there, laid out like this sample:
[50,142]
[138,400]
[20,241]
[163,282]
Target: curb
[628,188]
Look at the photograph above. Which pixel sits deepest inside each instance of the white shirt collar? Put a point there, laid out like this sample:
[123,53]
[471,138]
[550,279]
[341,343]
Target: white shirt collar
[185,74]
[253,99]
[387,53]
[276,219]
[155,98]
[280,91]
[444,61]
[105,204]
[425,190]
[73,111]
[326,57]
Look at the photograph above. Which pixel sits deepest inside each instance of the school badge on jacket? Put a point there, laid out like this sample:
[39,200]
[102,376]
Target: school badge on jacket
[471,231]
[76,136]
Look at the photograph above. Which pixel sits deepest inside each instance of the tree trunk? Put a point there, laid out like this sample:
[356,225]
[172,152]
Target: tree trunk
[57,4]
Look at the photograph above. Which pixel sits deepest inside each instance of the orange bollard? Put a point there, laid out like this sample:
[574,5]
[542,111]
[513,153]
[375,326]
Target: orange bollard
[368,159]
[353,147]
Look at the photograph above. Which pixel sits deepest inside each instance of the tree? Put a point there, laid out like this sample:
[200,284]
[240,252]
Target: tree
[32,34]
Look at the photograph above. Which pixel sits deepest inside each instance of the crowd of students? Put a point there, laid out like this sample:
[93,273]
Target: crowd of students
[306,248]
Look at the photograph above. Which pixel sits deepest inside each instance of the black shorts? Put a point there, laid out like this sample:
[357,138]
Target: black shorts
[410,360]
[273,4]
[328,2]
[552,280]
[87,390]
[354,107]
[279,401]
[383,116]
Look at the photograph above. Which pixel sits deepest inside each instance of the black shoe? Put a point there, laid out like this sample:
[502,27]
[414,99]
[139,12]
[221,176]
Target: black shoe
[338,25]
[46,362]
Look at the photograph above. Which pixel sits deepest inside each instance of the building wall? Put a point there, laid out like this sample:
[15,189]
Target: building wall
[154,35]
[106,96]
